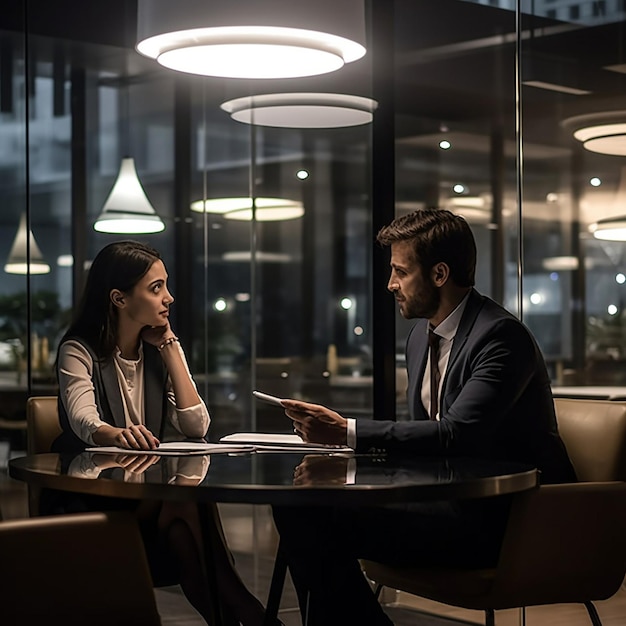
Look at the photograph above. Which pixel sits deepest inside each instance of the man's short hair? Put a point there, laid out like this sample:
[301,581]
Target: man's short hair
[438,236]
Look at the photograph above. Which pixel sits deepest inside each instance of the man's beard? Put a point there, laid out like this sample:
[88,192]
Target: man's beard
[424,304]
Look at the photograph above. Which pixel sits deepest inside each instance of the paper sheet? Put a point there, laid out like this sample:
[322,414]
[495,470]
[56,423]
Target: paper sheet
[178,448]
[278,441]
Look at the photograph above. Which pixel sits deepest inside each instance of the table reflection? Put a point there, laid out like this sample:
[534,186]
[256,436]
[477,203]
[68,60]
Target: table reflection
[175,470]
[283,469]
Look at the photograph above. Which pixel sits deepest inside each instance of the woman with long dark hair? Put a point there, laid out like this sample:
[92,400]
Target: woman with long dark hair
[124,382]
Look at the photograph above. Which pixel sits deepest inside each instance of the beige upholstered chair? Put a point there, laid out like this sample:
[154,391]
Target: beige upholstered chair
[42,423]
[87,568]
[42,428]
[563,543]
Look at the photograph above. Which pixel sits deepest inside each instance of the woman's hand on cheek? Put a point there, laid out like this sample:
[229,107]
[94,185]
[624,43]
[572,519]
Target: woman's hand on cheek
[156,335]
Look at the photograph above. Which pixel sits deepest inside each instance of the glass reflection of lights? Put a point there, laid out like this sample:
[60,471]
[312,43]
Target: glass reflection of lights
[220,305]
[595,181]
[620,278]
[346,303]
[458,188]
[611,309]
[65,260]
[267,209]
[445,144]
[358,331]
[25,256]
[536,298]
[560,263]
[302,174]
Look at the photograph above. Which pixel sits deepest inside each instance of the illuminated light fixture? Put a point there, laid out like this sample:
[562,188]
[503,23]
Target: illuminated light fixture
[252,39]
[302,110]
[263,257]
[19,262]
[127,209]
[613,228]
[560,263]
[539,84]
[610,229]
[603,132]
[267,209]
[65,260]
[472,208]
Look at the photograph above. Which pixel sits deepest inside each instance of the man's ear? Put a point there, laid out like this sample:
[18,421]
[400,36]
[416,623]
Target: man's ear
[440,274]
[117,298]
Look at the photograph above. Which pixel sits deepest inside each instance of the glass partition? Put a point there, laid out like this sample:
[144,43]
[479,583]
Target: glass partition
[572,75]
[486,98]
[267,299]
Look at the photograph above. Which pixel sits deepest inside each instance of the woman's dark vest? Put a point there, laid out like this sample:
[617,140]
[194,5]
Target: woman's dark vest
[109,397]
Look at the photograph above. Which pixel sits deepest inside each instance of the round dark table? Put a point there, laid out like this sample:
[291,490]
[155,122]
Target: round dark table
[268,478]
[278,478]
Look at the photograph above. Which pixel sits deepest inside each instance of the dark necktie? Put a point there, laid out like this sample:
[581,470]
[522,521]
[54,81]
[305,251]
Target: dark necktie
[435,376]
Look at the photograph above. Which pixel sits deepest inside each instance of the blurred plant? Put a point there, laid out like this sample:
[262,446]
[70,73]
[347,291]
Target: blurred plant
[45,321]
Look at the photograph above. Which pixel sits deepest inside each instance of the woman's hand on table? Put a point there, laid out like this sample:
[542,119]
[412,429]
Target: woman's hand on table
[136,437]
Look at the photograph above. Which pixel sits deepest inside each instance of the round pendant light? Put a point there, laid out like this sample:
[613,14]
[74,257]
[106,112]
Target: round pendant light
[266,209]
[613,226]
[603,132]
[609,229]
[302,110]
[251,38]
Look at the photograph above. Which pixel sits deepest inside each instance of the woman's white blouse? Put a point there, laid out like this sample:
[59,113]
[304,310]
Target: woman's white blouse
[78,396]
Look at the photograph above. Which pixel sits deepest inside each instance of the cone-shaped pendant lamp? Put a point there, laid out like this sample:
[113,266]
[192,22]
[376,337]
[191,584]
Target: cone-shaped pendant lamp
[127,210]
[19,262]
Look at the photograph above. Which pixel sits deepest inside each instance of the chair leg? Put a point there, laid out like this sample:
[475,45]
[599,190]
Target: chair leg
[593,614]
[276,587]
[490,617]
[377,591]
[522,616]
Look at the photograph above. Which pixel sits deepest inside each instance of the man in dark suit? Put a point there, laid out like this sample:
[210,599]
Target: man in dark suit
[478,386]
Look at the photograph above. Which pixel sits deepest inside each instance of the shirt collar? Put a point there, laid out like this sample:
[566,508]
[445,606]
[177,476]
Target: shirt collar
[118,355]
[448,327]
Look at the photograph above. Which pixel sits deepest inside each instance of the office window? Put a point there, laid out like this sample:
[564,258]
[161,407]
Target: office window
[287,304]
[598,8]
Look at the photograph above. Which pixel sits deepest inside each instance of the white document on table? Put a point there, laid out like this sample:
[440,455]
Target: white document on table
[178,448]
[277,442]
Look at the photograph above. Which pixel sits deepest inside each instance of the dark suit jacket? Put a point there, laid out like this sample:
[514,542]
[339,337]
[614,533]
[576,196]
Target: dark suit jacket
[496,400]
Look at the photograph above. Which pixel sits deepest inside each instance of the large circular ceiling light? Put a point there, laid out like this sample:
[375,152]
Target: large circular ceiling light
[250,38]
